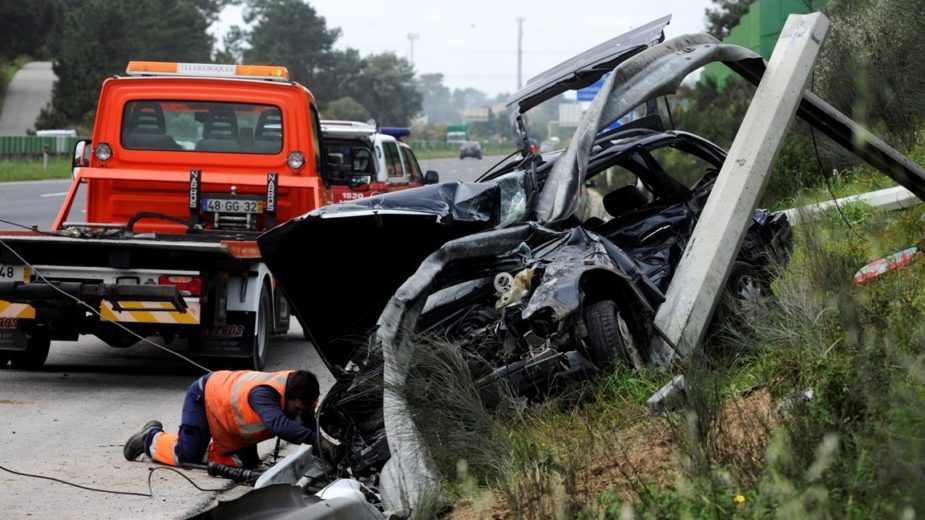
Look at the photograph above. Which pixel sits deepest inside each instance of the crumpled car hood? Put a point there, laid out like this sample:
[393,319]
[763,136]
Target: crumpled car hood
[340,264]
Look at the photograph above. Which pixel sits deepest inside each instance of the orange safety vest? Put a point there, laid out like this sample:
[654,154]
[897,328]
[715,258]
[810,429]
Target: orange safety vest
[233,422]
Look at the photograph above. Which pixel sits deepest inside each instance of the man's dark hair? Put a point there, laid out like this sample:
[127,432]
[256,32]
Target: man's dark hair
[302,385]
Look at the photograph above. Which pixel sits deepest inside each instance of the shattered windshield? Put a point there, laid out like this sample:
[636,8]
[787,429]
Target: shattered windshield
[513,199]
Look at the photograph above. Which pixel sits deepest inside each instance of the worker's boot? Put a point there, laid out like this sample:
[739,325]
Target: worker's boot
[135,445]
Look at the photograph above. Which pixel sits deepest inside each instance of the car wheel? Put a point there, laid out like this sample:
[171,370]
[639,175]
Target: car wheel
[608,334]
[35,354]
[263,325]
[744,283]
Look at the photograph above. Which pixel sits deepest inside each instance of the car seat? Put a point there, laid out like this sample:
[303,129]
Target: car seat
[147,128]
[624,200]
[219,131]
[268,135]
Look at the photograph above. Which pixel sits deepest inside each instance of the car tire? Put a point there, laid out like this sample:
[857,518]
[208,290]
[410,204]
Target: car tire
[607,334]
[35,354]
[263,326]
[744,282]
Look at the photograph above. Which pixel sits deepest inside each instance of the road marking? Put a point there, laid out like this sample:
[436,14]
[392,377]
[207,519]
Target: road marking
[61,194]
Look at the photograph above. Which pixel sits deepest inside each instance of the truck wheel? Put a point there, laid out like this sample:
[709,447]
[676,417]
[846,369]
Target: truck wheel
[35,354]
[607,333]
[4,358]
[263,326]
[282,312]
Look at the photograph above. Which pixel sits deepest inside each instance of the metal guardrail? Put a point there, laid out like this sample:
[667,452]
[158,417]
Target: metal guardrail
[25,145]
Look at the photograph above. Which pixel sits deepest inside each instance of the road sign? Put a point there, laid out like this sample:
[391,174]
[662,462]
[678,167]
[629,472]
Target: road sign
[588,93]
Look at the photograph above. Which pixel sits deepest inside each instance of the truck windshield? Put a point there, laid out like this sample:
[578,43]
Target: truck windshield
[202,126]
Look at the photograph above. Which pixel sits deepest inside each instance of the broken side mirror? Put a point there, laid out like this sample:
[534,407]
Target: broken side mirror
[360,182]
[81,157]
[361,160]
[431,177]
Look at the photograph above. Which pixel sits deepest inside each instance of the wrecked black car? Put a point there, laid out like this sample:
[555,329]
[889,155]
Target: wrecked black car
[571,293]
[520,268]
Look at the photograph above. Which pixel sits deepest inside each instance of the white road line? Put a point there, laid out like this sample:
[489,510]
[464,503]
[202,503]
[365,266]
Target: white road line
[61,194]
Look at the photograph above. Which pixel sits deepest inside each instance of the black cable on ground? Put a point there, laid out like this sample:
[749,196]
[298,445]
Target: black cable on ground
[149,494]
[130,493]
[827,177]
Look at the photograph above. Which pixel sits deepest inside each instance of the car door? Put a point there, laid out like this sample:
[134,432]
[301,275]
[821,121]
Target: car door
[399,176]
[416,178]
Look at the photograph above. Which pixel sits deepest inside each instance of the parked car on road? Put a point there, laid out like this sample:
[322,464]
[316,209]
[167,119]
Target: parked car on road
[470,149]
[364,160]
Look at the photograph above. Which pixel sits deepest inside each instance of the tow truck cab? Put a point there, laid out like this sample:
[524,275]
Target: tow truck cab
[202,142]
[363,160]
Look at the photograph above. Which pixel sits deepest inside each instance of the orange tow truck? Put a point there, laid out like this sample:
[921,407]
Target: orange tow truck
[187,165]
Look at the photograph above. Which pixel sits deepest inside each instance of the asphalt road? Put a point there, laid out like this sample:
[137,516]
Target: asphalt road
[70,419]
[26,95]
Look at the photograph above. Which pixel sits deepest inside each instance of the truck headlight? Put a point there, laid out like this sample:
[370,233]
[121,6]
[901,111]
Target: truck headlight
[102,152]
[296,160]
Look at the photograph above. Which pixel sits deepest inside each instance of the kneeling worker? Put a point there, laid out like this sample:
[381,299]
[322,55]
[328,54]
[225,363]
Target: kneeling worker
[236,410]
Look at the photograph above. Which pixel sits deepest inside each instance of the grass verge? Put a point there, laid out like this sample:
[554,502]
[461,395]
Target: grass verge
[32,169]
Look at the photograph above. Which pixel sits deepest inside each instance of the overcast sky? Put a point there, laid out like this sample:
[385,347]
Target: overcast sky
[474,42]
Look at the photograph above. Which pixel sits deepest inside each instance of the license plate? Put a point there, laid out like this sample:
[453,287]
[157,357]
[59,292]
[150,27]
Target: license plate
[232,206]
[14,273]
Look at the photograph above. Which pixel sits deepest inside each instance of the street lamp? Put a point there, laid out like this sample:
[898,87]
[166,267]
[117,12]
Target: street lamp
[411,38]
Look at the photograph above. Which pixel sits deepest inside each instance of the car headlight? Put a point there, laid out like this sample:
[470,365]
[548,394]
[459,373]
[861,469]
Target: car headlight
[103,152]
[296,160]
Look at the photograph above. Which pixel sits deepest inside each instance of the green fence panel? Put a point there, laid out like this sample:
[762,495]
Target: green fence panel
[18,145]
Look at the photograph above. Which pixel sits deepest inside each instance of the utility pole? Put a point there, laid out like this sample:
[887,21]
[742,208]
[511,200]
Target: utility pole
[411,38]
[520,39]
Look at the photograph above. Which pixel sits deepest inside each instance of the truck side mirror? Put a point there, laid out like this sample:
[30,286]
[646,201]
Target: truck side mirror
[81,157]
[431,177]
[360,182]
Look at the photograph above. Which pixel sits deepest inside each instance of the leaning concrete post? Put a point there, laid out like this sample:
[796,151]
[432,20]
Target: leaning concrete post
[697,285]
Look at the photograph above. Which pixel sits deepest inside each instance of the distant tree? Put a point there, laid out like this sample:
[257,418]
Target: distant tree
[233,45]
[211,9]
[99,37]
[24,27]
[345,108]
[712,112]
[725,16]
[468,98]
[386,88]
[342,71]
[435,99]
[290,33]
